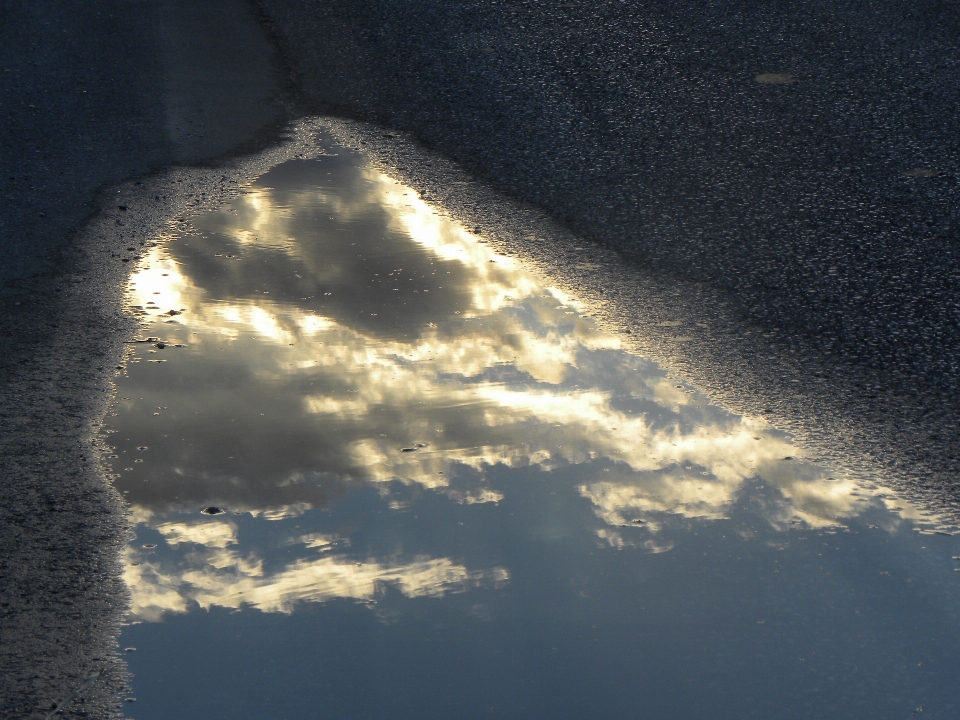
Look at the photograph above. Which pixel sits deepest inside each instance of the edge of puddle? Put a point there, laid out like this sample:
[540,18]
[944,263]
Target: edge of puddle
[62,523]
[689,329]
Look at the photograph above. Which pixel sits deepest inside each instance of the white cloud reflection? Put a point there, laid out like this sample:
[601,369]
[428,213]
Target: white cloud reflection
[218,535]
[546,423]
[218,577]
[506,377]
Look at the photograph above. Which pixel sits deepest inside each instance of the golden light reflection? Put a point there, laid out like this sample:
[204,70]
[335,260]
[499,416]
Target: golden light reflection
[548,424]
[215,576]
[503,372]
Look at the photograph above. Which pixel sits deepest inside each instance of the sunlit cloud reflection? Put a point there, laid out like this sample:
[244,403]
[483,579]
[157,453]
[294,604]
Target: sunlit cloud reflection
[348,335]
[216,576]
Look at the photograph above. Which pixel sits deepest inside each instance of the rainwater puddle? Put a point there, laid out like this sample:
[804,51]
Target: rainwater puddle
[448,494]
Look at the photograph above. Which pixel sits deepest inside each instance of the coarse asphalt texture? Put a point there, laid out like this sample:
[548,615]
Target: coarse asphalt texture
[794,163]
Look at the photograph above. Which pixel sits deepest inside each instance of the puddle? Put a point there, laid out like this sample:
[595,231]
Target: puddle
[377,469]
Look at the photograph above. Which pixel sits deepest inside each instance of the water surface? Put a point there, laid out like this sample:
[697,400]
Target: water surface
[446,492]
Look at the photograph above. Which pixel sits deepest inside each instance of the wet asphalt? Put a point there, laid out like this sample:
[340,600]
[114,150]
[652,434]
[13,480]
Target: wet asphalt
[797,160]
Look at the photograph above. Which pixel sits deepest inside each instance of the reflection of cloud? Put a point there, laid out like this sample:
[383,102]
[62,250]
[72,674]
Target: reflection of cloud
[321,541]
[333,368]
[282,512]
[328,578]
[211,534]
[224,578]
[654,547]
[492,287]
[152,593]
[631,503]
[802,495]
[818,502]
